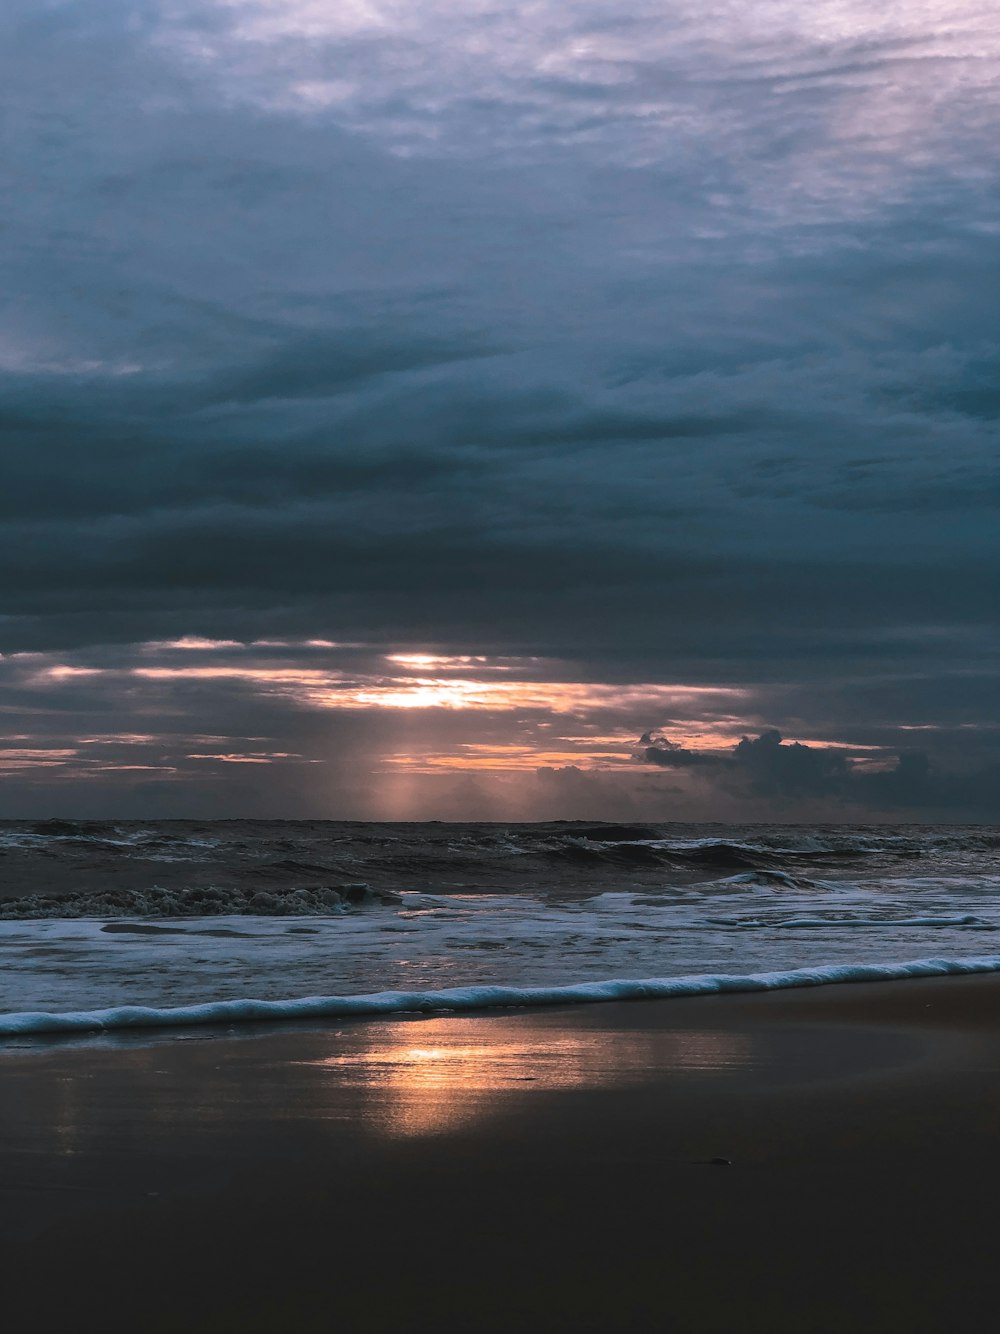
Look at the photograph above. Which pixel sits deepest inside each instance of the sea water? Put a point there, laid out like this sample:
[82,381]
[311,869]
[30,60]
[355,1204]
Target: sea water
[144,924]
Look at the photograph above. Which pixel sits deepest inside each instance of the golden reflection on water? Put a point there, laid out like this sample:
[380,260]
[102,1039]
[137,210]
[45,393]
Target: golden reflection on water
[443,1081]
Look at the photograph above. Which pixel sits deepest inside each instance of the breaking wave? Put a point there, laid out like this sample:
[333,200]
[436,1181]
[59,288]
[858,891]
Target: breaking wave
[466,999]
[199,901]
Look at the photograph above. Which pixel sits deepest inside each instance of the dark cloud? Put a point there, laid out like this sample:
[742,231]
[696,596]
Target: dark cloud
[669,755]
[765,767]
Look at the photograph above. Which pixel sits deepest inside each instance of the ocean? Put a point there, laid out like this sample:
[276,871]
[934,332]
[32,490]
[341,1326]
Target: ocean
[107,926]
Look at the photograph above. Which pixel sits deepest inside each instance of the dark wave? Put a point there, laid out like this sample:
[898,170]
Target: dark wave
[721,856]
[86,829]
[60,859]
[288,866]
[610,855]
[614,833]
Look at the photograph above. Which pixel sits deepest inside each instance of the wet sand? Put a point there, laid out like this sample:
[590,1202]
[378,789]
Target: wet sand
[543,1171]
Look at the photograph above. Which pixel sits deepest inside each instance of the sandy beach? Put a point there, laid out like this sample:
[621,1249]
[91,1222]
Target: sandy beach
[545,1170]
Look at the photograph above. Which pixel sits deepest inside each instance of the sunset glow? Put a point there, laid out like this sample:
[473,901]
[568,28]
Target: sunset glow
[442,1082]
[524,731]
[410,688]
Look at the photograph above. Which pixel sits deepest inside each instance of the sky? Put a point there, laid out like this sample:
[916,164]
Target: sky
[499,409]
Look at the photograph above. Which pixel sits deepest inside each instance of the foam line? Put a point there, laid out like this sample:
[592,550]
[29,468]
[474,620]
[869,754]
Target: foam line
[800,923]
[464,999]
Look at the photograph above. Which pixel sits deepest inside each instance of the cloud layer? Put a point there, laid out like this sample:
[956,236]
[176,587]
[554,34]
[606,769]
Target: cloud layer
[661,348]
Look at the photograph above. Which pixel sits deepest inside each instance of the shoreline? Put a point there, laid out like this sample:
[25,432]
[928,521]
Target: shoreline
[478,999]
[548,1169]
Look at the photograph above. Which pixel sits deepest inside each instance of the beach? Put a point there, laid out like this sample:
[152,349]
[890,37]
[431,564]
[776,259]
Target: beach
[535,1169]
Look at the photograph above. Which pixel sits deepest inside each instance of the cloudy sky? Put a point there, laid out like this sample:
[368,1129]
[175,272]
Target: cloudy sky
[499,408]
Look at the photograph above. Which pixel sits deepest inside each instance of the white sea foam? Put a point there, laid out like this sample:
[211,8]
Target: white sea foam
[465,999]
[435,942]
[806,923]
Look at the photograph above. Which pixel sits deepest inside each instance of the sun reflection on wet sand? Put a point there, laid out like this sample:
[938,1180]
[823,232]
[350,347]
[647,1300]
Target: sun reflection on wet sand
[443,1082]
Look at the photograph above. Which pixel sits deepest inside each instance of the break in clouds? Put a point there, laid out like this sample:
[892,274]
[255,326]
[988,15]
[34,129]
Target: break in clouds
[406,408]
